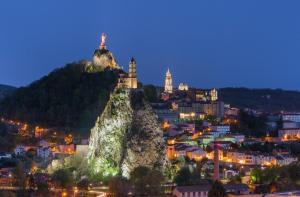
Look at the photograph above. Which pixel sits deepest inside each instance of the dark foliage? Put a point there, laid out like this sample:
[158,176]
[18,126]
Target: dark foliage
[146,181]
[217,190]
[251,125]
[63,178]
[186,177]
[151,93]
[8,137]
[183,177]
[5,91]
[271,100]
[69,97]
[278,178]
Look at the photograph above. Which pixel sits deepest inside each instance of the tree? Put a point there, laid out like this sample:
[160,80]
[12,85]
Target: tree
[146,181]
[150,93]
[183,177]
[83,184]
[217,190]
[42,190]
[20,176]
[64,178]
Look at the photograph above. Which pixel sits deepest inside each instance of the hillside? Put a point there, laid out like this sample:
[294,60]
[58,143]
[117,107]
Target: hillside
[5,90]
[69,97]
[271,100]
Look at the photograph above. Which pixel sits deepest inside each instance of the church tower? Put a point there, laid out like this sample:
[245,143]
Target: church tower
[168,82]
[128,81]
[132,80]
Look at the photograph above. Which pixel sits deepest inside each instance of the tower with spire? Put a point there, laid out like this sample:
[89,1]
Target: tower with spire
[168,82]
[132,79]
[129,80]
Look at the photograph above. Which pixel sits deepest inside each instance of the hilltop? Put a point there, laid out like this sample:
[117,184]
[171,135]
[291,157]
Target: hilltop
[69,97]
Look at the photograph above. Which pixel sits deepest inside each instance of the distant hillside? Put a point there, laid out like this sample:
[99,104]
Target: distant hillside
[271,100]
[5,90]
[70,97]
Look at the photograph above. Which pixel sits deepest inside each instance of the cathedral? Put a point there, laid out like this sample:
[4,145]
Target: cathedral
[168,83]
[128,80]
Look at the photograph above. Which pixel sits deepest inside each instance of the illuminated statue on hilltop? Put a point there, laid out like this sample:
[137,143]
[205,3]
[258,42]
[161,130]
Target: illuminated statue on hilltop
[103,38]
[103,57]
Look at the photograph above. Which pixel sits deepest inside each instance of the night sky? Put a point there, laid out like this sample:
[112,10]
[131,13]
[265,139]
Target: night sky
[205,43]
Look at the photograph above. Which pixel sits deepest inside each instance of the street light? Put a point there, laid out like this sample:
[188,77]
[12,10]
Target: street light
[75,191]
[64,194]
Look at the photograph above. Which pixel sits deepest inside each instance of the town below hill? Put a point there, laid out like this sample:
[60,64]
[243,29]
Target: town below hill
[92,127]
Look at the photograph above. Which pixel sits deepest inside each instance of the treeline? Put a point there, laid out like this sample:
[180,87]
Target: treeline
[70,97]
[270,100]
[5,91]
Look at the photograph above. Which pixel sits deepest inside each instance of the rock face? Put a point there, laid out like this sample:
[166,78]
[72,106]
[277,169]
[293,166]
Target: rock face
[126,136]
[105,59]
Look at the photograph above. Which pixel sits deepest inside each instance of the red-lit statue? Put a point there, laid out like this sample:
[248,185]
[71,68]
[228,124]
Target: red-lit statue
[103,38]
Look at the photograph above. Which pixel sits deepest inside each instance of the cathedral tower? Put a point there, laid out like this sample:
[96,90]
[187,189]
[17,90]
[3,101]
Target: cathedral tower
[128,81]
[132,80]
[168,82]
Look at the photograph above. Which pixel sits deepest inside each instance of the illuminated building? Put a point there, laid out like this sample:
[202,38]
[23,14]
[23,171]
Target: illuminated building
[294,117]
[44,152]
[206,95]
[183,87]
[129,80]
[39,132]
[289,134]
[220,128]
[210,108]
[253,158]
[168,83]
[213,94]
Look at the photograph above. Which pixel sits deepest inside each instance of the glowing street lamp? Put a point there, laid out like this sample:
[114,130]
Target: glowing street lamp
[75,191]
[64,194]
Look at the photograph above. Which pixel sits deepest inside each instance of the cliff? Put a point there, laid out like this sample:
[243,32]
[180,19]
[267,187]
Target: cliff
[126,135]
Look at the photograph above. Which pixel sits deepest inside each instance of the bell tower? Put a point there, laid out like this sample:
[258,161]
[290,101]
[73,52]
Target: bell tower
[132,78]
[168,82]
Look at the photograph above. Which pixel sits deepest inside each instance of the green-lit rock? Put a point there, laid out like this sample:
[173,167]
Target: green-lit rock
[126,135]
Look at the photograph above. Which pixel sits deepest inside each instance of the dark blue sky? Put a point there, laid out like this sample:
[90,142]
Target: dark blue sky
[207,43]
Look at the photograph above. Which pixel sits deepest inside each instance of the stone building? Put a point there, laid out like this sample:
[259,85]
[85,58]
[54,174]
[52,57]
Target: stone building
[128,80]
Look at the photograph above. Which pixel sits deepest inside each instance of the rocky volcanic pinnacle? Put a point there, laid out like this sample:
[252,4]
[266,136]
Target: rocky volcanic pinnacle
[127,135]
[105,59]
